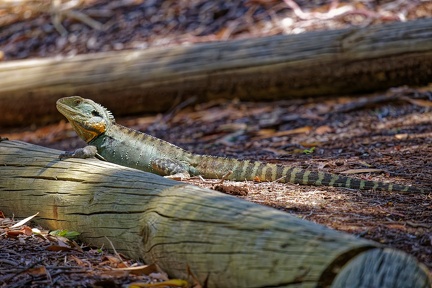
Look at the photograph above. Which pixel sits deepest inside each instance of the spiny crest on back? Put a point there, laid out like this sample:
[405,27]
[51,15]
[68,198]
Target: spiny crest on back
[107,113]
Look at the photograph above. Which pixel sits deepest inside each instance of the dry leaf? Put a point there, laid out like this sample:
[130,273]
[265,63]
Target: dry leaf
[27,230]
[22,222]
[396,226]
[62,242]
[310,144]
[169,283]
[301,130]
[14,233]
[232,189]
[232,127]
[111,260]
[401,136]
[139,270]
[112,273]
[122,265]
[57,248]
[77,260]
[267,133]
[364,163]
[37,271]
[323,130]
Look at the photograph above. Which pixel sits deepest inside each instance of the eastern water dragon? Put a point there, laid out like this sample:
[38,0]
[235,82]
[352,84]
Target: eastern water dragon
[127,147]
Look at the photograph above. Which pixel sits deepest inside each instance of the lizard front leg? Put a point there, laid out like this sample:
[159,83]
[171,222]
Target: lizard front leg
[169,168]
[83,153]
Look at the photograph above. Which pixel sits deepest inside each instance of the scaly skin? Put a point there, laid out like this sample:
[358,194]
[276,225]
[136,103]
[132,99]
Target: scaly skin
[127,147]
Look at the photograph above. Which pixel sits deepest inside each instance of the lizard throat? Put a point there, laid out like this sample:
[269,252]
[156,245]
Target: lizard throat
[88,133]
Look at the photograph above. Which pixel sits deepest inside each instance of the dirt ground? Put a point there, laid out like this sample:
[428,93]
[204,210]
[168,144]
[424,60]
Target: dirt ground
[378,137]
[386,136]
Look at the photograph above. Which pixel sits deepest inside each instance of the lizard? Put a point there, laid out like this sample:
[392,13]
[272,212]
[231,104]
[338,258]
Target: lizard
[124,146]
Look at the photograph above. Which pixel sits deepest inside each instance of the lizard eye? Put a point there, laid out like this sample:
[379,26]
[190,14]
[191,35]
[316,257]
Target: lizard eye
[95,113]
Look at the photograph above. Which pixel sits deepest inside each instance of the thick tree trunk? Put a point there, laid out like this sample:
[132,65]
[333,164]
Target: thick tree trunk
[277,67]
[224,241]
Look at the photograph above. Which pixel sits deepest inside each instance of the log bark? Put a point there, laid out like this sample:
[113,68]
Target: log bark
[223,240]
[277,67]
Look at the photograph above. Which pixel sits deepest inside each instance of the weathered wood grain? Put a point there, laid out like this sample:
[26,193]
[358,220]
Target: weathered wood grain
[369,270]
[277,67]
[225,241]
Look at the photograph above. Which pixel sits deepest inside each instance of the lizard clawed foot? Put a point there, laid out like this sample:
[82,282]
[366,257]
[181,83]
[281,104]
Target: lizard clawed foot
[171,169]
[83,153]
[179,176]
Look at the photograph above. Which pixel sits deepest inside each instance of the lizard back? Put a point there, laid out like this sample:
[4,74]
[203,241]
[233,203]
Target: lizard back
[135,149]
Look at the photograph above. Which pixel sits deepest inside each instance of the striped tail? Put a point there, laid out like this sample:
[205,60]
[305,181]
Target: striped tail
[260,171]
[306,177]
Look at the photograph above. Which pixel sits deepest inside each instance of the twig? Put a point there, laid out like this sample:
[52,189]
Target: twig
[48,275]
[333,11]
[220,181]
[417,225]
[59,9]
[10,262]
[116,253]
[277,180]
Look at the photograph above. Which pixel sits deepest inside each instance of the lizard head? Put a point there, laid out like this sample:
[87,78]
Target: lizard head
[88,118]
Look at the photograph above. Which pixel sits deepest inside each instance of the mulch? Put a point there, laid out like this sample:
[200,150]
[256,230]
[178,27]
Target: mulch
[386,136]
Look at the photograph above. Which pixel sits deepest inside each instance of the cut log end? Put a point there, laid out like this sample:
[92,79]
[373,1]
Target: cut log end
[382,268]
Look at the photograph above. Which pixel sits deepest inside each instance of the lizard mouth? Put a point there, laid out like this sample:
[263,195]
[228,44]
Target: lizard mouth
[65,109]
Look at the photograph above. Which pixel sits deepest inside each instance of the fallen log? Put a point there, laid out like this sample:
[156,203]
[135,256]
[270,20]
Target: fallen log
[278,67]
[224,241]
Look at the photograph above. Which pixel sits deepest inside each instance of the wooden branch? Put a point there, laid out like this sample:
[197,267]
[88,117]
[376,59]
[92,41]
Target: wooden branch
[223,240]
[277,67]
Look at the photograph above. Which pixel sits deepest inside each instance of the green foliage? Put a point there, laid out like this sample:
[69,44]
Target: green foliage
[65,233]
[309,151]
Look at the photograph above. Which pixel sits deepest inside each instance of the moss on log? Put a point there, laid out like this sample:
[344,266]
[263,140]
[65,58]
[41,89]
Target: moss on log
[223,240]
